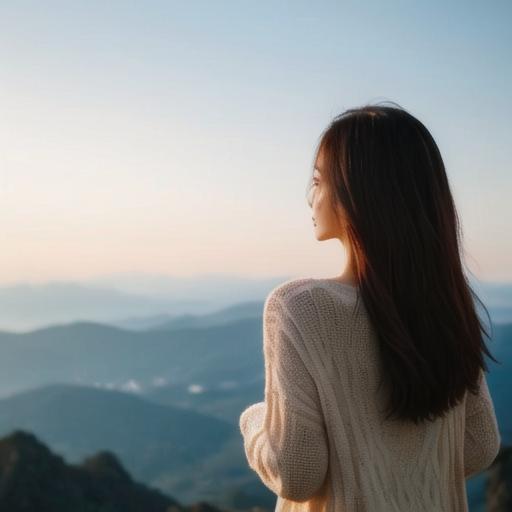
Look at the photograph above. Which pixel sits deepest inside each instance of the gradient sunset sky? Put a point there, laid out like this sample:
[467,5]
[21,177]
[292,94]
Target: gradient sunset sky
[178,137]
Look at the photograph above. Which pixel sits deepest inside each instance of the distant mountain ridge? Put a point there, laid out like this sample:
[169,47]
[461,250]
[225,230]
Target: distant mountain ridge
[140,300]
[223,316]
[88,353]
[124,299]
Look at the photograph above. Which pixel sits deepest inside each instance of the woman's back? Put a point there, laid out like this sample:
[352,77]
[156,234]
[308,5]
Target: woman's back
[321,441]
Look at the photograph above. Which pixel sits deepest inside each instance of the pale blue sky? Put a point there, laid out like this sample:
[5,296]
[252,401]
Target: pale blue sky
[177,138]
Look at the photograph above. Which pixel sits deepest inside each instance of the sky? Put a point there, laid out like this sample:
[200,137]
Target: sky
[178,137]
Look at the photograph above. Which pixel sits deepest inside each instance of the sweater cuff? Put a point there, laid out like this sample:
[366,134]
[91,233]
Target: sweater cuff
[252,418]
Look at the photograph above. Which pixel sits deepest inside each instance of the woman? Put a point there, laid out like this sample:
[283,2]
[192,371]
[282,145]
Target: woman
[375,396]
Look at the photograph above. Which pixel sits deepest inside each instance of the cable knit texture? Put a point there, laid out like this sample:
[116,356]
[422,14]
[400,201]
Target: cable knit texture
[319,440]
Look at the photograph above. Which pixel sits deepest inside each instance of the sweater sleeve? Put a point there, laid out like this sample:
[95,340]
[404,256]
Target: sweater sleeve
[284,436]
[481,438]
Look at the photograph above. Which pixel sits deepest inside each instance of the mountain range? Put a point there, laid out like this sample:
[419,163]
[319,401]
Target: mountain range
[164,397]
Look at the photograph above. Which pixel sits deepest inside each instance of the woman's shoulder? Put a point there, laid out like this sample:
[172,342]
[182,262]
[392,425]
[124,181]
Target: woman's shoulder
[317,311]
[303,293]
[293,287]
[289,288]
[312,299]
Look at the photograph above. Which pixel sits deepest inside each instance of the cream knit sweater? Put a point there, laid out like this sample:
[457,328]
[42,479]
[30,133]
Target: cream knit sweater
[319,440]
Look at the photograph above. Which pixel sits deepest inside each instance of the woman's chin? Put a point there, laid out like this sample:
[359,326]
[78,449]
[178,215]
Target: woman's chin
[318,234]
[322,235]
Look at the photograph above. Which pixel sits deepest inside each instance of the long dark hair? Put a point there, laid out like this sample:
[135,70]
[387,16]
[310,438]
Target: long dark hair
[384,169]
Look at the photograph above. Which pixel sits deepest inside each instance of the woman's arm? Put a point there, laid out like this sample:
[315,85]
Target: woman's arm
[284,436]
[482,438]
